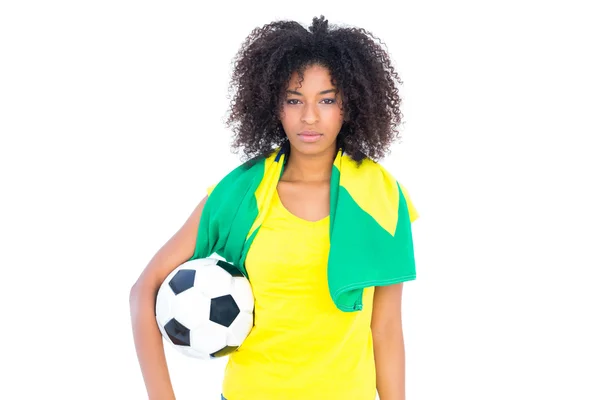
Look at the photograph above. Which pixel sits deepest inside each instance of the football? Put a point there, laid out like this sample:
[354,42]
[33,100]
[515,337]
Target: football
[205,308]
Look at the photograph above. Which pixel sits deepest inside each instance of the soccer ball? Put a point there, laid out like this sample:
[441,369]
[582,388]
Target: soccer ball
[205,308]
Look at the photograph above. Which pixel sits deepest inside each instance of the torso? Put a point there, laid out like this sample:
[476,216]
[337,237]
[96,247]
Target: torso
[301,346]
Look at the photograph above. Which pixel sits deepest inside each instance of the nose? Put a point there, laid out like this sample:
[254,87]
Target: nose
[310,114]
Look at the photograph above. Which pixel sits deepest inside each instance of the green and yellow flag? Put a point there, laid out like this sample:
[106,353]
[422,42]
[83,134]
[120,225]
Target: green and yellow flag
[370,228]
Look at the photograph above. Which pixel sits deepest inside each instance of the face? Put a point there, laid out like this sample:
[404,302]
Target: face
[312,114]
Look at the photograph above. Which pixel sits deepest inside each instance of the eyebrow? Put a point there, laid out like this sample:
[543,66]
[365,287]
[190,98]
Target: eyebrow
[300,94]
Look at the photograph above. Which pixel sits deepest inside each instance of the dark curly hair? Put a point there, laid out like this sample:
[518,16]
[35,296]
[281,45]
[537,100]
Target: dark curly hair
[359,66]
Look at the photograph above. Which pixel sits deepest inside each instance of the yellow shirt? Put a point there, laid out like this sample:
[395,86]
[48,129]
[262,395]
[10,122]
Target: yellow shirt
[302,346]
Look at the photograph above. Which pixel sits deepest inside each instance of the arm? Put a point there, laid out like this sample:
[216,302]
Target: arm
[388,342]
[147,337]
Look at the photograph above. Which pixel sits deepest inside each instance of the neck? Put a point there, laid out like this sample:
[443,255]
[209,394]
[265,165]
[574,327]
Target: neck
[309,167]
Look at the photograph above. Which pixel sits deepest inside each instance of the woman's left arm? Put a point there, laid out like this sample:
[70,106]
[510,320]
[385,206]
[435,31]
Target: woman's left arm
[388,342]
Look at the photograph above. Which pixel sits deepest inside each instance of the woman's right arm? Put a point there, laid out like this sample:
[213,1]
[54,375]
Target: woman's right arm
[146,335]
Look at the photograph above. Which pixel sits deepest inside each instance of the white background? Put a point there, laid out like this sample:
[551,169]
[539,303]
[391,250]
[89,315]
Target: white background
[111,129]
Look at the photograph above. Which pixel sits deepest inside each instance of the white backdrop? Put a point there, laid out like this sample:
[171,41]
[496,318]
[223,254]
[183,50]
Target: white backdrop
[111,129]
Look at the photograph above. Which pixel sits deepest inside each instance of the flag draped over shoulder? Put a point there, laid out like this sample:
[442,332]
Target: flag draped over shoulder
[370,229]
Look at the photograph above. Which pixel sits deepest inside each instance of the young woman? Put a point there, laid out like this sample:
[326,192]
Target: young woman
[324,104]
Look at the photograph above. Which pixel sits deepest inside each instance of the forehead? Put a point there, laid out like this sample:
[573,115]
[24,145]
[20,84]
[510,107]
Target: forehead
[314,77]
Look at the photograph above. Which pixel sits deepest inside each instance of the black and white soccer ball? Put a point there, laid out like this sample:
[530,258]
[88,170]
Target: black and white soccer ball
[205,308]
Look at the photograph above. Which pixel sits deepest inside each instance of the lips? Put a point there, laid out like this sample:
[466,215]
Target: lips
[309,136]
[309,133]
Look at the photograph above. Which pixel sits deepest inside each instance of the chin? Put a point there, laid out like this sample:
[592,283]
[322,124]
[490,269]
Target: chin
[312,148]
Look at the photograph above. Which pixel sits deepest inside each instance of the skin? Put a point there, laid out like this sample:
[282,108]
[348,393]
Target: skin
[304,190]
[147,338]
[314,106]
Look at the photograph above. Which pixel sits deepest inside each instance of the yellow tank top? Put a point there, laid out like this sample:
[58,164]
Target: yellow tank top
[301,347]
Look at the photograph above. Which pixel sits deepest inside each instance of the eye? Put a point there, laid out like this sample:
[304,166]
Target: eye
[329,101]
[291,101]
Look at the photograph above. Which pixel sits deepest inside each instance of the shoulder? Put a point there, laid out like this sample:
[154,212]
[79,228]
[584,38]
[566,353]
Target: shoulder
[242,175]
[369,163]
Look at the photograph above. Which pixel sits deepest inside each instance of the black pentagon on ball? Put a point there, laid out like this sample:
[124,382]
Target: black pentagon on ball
[224,351]
[230,268]
[183,280]
[177,332]
[223,310]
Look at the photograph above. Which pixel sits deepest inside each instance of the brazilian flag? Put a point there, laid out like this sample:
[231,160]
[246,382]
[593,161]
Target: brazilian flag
[370,228]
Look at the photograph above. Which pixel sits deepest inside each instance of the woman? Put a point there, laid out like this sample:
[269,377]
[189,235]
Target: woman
[322,104]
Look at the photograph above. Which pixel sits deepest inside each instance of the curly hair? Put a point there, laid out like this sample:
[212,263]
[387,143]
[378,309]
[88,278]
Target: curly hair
[359,66]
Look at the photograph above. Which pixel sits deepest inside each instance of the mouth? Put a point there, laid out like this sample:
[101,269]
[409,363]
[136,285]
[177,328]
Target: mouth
[309,136]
